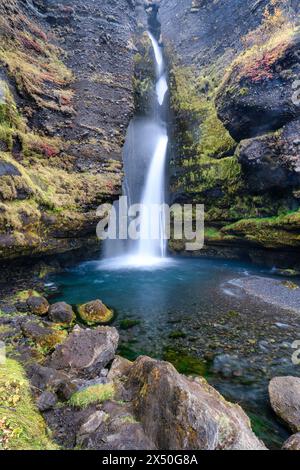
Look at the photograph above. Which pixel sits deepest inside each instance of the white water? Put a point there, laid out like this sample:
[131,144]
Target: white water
[150,248]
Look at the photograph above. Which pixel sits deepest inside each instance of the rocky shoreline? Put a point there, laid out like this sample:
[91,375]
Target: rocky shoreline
[91,398]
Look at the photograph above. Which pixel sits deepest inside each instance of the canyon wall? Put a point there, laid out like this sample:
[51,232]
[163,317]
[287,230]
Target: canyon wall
[235,74]
[66,98]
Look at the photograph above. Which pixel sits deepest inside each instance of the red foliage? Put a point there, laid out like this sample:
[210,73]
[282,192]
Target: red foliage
[45,149]
[32,44]
[263,69]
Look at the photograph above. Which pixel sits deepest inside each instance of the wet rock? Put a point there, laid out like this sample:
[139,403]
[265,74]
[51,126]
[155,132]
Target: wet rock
[284,395]
[38,305]
[95,312]
[228,365]
[46,401]
[293,443]
[61,312]
[180,413]
[86,350]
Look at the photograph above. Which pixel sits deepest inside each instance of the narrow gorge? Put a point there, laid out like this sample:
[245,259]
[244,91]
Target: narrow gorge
[122,339]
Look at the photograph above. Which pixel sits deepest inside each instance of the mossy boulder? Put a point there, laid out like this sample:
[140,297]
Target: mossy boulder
[95,313]
[43,336]
[38,305]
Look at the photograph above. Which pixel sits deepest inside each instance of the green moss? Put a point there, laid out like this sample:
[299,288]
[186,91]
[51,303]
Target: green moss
[270,232]
[21,426]
[25,294]
[177,334]
[185,363]
[93,394]
[128,323]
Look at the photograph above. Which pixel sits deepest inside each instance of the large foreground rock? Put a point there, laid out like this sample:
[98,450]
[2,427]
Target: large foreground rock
[285,400]
[181,413]
[86,350]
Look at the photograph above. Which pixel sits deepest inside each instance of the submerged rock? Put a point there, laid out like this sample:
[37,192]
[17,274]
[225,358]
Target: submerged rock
[181,413]
[285,400]
[86,350]
[61,312]
[38,305]
[293,443]
[95,312]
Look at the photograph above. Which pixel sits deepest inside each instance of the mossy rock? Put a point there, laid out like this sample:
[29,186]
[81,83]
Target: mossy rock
[95,313]
[44,337]
[38,305]
[21,426]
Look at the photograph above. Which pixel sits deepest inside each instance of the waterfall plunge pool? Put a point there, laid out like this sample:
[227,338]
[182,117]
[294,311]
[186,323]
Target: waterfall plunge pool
[188,311]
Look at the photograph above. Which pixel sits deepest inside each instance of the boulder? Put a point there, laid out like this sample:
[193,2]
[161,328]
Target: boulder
[185,414]
[284,395]
[46,401]
[272,162]
[256,96]
[293,443]
[61,312]
[86,350]
[119,368]
[46,378]
[95,312]
[44,336]
[113,428]
[38,305]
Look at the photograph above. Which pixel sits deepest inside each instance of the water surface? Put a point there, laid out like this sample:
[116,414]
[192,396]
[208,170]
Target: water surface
[188,312]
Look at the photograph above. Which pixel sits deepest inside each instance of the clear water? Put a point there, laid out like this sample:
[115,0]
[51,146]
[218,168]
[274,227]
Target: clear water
[188,312]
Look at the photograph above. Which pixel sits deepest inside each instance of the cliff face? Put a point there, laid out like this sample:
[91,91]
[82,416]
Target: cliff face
[66,99]
[234,79]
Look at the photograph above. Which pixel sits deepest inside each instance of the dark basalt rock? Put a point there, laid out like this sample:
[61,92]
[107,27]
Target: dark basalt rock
[61,312]
[8,169]
[272,161]
[86,350]
[256,99]
[46,401]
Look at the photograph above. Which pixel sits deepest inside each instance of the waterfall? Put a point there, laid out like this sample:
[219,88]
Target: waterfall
[144,156]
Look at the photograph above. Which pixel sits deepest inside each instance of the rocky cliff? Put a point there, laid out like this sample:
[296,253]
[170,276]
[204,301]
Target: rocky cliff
[66,96]
[235,98]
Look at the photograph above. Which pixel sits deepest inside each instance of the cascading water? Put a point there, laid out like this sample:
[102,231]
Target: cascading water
[146,137]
